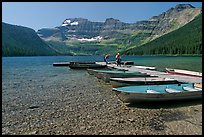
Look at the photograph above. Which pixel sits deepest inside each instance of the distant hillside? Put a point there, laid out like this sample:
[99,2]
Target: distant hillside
[183,41]
[23,41]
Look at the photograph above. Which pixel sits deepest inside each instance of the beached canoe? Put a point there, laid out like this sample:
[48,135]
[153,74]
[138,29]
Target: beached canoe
[183,72]
[145,67]
[169,92]
[119,82]
[95,71]
[123,62]
[107,74]
[76,65]
[59,64]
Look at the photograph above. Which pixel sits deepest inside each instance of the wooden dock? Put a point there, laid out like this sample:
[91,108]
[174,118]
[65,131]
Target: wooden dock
[180,78]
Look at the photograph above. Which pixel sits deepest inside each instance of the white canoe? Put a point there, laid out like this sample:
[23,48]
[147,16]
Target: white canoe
[119,82]
[183,72]
[145,67]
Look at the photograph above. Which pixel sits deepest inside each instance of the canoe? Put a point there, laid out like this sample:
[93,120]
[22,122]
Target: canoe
[94,71]
[107,74]
[145,67]
[119,82]
[61,64]
[183,72]
[123,62]
[168,92]
[85,65]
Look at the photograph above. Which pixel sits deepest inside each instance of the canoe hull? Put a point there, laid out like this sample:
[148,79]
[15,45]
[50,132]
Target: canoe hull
[94,71]
[106,77]
[145,67]
[120,83]
[107,74]
[184,72]
[59,64]
[131,94]
[141,97]
[123,62]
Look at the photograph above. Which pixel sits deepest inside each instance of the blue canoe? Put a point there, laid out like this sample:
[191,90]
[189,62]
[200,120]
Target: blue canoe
[107,74]
[158,92]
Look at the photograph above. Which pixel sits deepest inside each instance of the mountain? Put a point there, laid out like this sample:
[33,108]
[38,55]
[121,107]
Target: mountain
[23,41]
[78,33]
[78,28]
[78,36]
[183,41]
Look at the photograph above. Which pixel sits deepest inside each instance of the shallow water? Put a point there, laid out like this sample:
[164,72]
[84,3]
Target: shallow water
[18,73]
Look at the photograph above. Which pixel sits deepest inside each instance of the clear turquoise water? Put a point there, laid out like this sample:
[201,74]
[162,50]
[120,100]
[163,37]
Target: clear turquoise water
[162,62]
[22,71]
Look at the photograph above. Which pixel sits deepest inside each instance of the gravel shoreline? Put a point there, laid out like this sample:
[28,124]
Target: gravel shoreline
[86,106]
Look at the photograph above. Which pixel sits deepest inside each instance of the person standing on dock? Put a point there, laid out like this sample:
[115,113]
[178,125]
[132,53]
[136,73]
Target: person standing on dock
[118,59]
[106,58]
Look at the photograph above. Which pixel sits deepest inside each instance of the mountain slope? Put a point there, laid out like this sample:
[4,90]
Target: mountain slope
[183,41]
[23,41]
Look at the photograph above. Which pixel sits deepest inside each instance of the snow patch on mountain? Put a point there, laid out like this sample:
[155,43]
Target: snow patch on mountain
[68,22]
[98,38]
[74,23]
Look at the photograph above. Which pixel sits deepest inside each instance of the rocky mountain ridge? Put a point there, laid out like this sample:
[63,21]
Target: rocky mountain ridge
[79,28]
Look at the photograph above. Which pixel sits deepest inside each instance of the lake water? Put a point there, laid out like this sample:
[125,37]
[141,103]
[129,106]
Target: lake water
[30,68]
[34,82]
[18,73]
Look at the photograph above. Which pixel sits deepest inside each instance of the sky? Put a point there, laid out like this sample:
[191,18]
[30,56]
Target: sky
[38,15]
